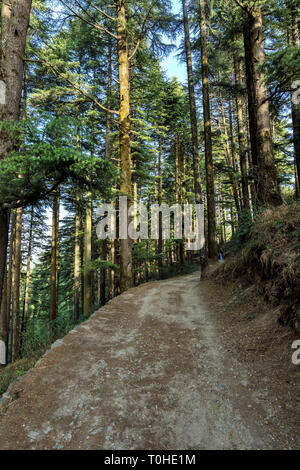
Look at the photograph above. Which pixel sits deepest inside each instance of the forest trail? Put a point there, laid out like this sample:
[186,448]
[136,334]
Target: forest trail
[147,371]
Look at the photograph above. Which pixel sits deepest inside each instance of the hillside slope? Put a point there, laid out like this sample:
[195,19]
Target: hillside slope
[266,256]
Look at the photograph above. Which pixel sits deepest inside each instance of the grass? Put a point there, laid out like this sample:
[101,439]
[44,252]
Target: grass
[12,372]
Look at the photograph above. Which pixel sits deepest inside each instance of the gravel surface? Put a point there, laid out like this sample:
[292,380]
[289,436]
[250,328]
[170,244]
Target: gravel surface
[147,371]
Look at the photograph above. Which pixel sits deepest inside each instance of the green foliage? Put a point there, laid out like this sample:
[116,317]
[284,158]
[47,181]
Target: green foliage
[29,177]
[13,372]
[243,234]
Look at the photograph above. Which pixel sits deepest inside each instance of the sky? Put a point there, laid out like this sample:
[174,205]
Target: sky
[172,66]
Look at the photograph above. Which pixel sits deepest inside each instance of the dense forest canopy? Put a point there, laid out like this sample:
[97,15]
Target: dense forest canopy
[88,113]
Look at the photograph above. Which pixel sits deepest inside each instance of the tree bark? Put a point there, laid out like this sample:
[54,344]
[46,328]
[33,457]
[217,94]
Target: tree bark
[16,277]
[4,322]
[177,195]
[105,274]
[265,172]
[295,40]
[183,195]
[87,256]
[211,206]
[177,169]
[77,256]
[242,136]
[54,263]
[159,200]
[108,115]
[10,268]
[192,102]
[125,146]
[235,156]
[27,279]
[4,227]
[228,160]
[14,26]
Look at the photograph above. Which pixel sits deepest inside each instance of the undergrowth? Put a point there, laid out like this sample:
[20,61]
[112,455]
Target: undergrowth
[266,252]
[12,372]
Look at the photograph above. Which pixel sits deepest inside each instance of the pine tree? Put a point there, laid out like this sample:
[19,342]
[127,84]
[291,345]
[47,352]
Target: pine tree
[210,185]
[14,27]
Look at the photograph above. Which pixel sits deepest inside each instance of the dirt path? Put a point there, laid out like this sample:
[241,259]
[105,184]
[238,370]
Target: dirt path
[145,372]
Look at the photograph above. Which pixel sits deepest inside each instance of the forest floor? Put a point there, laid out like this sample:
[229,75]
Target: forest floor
[176,364]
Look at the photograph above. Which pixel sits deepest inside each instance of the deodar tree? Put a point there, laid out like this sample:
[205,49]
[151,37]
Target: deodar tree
[128,23]
[15,16]
[266,176]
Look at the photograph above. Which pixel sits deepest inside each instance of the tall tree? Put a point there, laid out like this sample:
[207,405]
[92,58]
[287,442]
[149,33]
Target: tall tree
[16,273]
[14,26]
[210,184]
[295,40]
[125,147]
[268,189]
[87,255]
[77,257]
[54,261]
[27,276]
[241,129]
[192,101]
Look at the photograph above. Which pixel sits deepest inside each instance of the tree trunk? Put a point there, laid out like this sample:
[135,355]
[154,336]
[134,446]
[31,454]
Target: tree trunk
[54,263]
[9,271]
[77,255]
[228,160]
[105,274]
[78,220]
[184,176]
[192,101]
[235,156]
[268,190]
[111,273]
[27,280]
[108,115]
[220,214]
[211,207]
[233,219]
[177,196]
[14,25]
[87,256]
[159,200]
[295,40]
[4,325]
[241,136]
[88,274]
[16,277]
[4,227]
[183,196]
[125,146]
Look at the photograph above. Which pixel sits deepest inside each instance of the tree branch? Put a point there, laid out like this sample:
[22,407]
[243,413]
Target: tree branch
[142,32]
[34,196]
[102,12]
[77,88]
[279,88]
[243,6]
[91,23]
